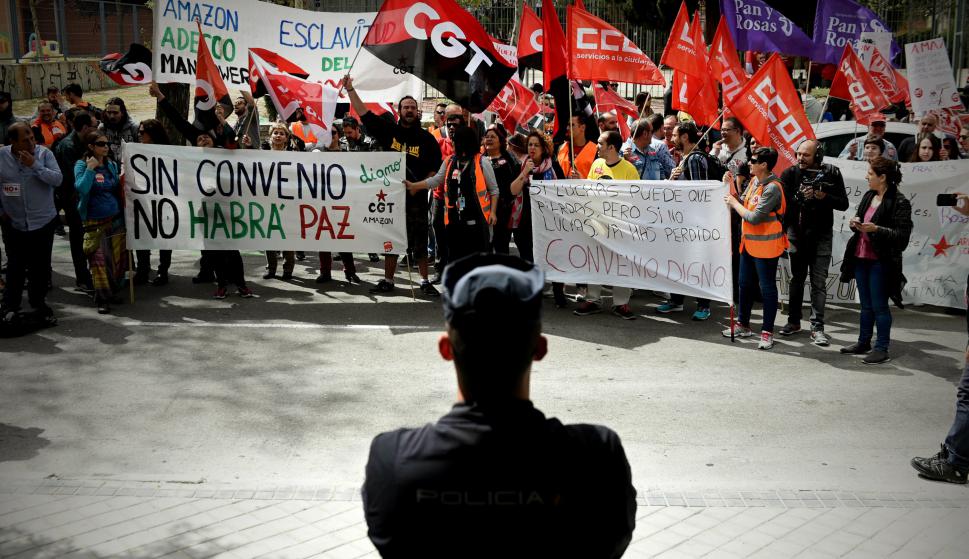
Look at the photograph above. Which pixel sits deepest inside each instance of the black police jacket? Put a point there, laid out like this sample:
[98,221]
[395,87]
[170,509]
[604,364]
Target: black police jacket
[499,482]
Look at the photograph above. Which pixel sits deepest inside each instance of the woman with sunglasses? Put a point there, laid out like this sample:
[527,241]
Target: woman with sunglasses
[873,256]
[762,241]
[151,131]
[99,188]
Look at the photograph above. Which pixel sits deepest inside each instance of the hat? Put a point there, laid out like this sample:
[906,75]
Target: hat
[880,119]
[492,286]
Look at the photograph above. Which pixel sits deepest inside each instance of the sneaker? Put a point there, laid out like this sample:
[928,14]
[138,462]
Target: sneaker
[300,255]
[286,276]
[436,280]
[739,331]
[84,288]
[789,329]
[353,278]
[245,293]
[819,338]
[669,307]
[269,275]
[766,340]
[323,278]
[373,257]
[103,307]
[622,311]
[220,293]
[856,349]
[938,468]
[383,286]
[587,308]
[160,280]
[429,290]
[875,357]
[701,314]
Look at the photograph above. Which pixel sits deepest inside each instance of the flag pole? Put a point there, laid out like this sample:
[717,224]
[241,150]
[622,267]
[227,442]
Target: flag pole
[807,79]
[571,143]
[703,137]
[824,107]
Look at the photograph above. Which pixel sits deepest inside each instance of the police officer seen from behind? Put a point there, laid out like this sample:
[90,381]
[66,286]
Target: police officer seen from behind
[813,190]
[495,477]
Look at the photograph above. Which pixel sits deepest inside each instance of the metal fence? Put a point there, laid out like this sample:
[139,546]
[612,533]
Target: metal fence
[73,28]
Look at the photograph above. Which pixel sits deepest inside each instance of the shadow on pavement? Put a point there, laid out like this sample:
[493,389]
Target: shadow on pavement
[19,443]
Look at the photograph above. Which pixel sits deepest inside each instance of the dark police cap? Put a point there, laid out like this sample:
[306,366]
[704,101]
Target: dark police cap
[492,286]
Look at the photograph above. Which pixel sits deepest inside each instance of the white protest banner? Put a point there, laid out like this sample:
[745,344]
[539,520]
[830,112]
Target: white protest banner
[936,261]
[197,198]
[322,43]
[662,235]
[930,79]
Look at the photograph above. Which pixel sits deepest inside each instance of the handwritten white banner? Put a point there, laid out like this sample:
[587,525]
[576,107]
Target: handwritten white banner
[196,198]
[663,235]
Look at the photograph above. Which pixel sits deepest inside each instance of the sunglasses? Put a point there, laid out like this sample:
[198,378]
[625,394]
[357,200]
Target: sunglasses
[100,144]
[754,161]
[439,112]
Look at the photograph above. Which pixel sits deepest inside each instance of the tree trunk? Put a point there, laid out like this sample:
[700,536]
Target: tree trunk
[178,95]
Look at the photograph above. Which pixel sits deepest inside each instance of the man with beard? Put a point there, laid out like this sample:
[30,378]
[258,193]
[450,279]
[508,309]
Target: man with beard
[67,152]
[247,120]
[47,129]
[813,191]
[117,126]
[423,159]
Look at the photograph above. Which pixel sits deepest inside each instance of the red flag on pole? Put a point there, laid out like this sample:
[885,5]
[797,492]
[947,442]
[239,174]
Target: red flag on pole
[853,83]
[680,53]
[887,78]
[530,40]
[725,64]
[515,105]
[209,87]
[770,108]
[705,104]
[598,51]
[293,95]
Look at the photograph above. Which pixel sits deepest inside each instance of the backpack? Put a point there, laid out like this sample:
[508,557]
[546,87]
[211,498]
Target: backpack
[715,169]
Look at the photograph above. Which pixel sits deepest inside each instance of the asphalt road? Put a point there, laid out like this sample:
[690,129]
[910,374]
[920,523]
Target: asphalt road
[290,388]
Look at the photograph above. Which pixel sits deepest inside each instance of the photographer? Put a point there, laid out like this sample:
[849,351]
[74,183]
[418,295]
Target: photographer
[813,190]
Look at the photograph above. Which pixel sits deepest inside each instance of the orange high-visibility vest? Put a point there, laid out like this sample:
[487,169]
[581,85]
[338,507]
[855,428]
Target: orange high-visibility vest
[51,132]
[435,131]
[583,159]
[305,135]
[765,239]
[480,187]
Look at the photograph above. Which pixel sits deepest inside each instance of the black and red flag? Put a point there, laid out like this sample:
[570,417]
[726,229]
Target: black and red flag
[443,45]
[209,87]
[530,40]
[131,68]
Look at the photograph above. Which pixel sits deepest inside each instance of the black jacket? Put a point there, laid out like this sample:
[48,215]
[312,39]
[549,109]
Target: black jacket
[499,482]
[894,219]
[807,221]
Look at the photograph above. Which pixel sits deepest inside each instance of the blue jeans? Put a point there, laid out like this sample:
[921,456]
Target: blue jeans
[957,442]
[873,292]
[754,271]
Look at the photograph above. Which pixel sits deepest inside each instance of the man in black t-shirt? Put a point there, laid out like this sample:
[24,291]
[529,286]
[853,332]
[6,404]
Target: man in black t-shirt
[495,477]
[422,161]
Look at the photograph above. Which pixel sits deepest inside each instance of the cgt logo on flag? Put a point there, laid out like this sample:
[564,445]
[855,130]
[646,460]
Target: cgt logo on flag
[450,47]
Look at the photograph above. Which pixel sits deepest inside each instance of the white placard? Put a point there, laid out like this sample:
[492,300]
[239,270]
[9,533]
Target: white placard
[206,198]
[930,79]
[664,235]
[321,43]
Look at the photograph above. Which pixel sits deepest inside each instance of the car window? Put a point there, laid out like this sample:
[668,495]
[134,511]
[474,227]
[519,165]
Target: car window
[833,145]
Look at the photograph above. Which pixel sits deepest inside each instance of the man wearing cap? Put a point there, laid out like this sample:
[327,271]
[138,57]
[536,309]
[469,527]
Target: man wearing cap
[495,477]
[876,131]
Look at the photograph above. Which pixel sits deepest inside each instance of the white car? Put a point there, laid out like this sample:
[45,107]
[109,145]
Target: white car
[836,135]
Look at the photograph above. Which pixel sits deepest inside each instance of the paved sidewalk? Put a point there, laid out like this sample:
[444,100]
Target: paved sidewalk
[95,518]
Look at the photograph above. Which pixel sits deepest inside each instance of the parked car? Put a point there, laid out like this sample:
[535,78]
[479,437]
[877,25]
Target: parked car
[836,135]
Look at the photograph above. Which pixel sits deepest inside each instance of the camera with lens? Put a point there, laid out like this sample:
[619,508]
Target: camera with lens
[811,179]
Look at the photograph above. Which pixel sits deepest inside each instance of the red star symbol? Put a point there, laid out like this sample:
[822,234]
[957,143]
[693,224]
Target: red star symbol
[381,196]
[941,247]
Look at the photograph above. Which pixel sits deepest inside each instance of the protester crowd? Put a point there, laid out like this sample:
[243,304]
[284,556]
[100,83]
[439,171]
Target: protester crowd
[467,192]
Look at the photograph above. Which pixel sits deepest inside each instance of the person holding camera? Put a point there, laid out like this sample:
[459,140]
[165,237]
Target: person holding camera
[814,191]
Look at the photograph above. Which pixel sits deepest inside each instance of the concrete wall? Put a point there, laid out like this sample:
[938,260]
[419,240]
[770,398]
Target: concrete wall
[31,79]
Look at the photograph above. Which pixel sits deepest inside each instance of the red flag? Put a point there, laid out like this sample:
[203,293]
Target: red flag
[443,45]
[886,78]
[680,53]
[530,40]
[272,61]
[598,51]
[854,83]
[706,103]
[770,108]
[515,105]
[292,95]
[209,87]
[554,67]
[725,64]
[608,100]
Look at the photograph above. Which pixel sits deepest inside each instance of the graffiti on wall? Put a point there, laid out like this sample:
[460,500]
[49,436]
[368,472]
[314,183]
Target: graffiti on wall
[32,79]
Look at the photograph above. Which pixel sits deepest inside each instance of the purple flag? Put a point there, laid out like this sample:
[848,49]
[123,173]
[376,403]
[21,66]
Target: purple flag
[838,22]
[759,27]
